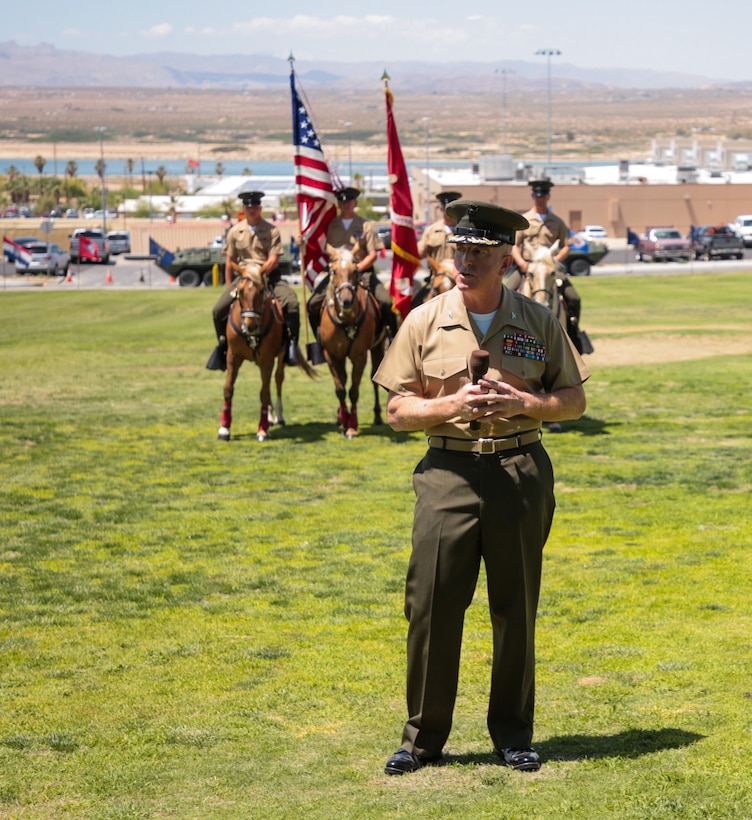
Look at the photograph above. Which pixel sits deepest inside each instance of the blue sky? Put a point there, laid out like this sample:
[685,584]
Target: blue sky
[668,35]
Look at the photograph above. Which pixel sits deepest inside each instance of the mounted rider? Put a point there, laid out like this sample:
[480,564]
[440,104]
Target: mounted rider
[253,240]
[546,228]
[358,235]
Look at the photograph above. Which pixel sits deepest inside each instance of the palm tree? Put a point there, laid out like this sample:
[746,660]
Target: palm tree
[100,167]
[71,169]
[219,169]
[161,173]
[129,166]
[40,162]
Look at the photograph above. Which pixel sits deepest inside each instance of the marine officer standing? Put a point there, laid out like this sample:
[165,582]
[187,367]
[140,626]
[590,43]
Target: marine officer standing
[478,369]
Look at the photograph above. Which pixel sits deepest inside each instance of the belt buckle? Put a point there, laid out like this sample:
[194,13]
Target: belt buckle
[486,446]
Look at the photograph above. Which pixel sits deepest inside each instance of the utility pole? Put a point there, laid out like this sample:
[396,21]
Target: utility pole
[548,53]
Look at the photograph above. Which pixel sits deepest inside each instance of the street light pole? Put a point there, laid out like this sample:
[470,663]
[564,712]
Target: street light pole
[548,53]
[348,125]
[150,212]
[102,129]
[426,120]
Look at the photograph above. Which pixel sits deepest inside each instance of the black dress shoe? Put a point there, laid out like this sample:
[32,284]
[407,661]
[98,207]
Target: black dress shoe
[523,760]
[404,762]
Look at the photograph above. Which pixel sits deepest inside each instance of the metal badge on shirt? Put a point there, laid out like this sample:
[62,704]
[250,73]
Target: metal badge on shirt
[524,346]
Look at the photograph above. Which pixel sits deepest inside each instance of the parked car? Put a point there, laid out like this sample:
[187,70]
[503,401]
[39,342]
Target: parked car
[384,233]
[71,213]
[88,213]
[742,227]
[120,242]
[591,232]
[93,235]
[715,242]
[46,257]
[56,213]
[663,244]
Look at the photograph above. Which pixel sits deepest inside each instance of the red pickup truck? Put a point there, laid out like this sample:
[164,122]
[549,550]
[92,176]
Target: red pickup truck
[663,244]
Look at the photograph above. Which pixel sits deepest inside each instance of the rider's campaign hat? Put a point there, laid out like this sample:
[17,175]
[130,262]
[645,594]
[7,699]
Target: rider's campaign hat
[347,194]
[480,223]
[251,197]
[445,197]
[541,187]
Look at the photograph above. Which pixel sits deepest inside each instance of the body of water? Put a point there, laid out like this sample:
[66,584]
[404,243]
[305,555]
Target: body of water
[116,167]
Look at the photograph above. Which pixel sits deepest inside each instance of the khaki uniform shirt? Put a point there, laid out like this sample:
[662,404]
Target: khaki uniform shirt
[542,232]
[430,356]
[361,237]
[433,242]
[253,244]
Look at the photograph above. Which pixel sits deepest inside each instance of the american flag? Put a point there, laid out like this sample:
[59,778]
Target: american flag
[313,184]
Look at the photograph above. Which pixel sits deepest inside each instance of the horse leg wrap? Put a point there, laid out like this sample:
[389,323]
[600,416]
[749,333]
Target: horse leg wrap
[264,420]
[226,419]
[352,421]
[342,416]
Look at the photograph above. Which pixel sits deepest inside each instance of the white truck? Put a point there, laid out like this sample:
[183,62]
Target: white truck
[742,227]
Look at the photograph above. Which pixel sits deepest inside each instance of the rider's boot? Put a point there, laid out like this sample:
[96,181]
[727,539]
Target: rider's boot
[389,318]
[292,323]
[218,358]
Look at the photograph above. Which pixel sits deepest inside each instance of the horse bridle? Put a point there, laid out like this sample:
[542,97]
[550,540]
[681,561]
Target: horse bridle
[253,340]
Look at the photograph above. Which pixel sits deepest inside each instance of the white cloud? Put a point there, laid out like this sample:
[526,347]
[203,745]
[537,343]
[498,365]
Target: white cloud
[73,33]
[158,32]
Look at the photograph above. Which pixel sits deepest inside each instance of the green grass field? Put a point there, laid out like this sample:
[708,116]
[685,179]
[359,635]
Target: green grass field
[196,629]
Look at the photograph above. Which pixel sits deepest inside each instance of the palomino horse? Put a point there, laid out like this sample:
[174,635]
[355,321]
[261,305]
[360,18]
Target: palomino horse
[440,280]
[542,280]
[256,332]
[350,327]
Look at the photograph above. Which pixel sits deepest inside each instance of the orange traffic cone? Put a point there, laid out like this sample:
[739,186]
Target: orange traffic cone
[108,278]
[69,276]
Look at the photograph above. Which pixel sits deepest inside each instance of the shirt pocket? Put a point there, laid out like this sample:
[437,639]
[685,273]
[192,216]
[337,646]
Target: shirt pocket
[243,242]
[445,375]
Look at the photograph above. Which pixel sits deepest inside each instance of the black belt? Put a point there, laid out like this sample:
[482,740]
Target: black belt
[485,446]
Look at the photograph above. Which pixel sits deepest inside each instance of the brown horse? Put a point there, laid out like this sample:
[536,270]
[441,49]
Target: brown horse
[256,332]
[350,327]
[440,280]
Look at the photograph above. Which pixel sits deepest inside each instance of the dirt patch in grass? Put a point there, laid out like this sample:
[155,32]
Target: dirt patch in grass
[664,347]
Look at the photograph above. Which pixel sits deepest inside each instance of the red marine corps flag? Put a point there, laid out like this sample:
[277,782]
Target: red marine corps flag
[313,185]
[405,258]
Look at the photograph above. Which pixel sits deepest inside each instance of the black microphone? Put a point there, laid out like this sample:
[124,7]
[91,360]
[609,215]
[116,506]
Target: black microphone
[478,369]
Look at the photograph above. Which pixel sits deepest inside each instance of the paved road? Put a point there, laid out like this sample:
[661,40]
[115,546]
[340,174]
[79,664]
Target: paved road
[135,274]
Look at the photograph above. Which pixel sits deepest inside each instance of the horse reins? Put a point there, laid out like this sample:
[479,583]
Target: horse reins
[253,340]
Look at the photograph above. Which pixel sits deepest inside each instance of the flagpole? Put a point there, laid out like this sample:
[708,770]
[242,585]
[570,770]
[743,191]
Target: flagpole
[301,244]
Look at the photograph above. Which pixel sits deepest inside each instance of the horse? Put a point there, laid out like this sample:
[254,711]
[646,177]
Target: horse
[543,279]
[256,332]
[350,328]
[440,280]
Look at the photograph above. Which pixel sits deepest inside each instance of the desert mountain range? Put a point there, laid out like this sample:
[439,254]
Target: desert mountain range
[45,66]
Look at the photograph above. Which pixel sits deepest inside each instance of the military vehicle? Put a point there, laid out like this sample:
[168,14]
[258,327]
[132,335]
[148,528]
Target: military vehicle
[581,257]
[194,266]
